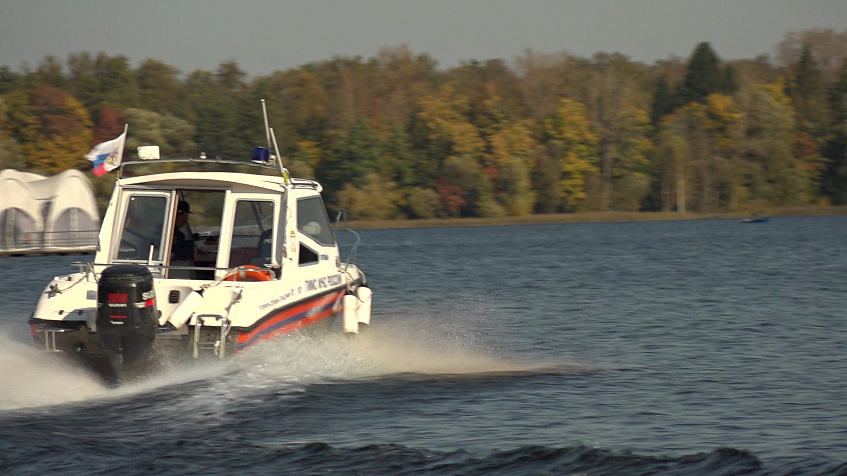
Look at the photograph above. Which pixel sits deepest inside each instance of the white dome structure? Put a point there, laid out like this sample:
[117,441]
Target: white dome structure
[38,213]
[21,221]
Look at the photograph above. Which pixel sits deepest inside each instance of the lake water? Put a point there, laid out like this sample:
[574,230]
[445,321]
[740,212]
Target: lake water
[683,347]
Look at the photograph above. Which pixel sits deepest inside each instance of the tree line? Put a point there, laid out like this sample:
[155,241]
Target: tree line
[394,136]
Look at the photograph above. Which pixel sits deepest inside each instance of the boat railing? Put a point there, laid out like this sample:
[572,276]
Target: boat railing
[202,163]
[158,269]
[351,257]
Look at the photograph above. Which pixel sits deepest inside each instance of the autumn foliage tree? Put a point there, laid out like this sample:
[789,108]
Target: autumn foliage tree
[575,146]
[396,136]
[52,128]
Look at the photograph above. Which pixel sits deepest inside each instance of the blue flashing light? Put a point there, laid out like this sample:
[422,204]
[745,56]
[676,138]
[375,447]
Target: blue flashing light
[261,155]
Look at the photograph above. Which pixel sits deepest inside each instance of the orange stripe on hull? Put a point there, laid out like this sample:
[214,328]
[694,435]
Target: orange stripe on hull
[291,319]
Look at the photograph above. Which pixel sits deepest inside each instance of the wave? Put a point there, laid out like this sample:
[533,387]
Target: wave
[193,456]
[398,459]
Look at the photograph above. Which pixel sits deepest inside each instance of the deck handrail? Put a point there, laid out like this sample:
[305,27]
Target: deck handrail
[351,257]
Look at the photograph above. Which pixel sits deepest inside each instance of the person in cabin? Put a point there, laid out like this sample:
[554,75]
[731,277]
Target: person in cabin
[183,250]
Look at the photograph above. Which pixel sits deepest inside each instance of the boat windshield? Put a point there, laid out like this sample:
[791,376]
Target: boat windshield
[163,228]
[141,232]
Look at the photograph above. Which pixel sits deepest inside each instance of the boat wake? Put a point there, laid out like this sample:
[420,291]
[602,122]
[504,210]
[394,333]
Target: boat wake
[392,348]
[285,365]
[29,378]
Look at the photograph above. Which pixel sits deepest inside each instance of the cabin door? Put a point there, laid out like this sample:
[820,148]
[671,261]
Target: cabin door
[254,222]
[142,229]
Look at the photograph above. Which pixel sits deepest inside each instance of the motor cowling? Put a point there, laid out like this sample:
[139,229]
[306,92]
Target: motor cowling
[126,315]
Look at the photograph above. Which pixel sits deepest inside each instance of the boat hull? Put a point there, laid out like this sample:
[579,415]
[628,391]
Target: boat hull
[77,341]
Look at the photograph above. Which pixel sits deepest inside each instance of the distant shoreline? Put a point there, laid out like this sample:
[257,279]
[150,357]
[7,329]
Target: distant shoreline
[596,217]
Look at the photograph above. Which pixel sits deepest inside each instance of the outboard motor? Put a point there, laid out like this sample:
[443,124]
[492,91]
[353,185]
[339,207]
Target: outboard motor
[126,315]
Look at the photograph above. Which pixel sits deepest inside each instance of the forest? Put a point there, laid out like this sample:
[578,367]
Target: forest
[395,136]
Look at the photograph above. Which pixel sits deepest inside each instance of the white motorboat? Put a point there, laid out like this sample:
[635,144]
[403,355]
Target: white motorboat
[196,261]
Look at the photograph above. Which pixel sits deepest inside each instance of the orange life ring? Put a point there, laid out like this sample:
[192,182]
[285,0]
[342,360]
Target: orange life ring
[250,273]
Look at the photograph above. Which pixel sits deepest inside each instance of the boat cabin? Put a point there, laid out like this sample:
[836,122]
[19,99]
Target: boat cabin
[201,225]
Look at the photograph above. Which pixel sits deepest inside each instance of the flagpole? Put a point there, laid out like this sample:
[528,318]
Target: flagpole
[123,143]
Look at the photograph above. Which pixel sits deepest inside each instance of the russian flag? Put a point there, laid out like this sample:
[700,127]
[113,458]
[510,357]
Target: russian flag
[107,156]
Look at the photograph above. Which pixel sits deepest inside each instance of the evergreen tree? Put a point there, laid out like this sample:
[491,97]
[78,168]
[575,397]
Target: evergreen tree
[838,97]
[835,178]
[729,85]
[808,96]
[703,76]
[356,153]
[116,81]
[49,73]
[664,101]
[158,86]
[9,80]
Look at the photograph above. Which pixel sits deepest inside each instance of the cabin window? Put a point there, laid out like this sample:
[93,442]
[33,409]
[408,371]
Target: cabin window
[142,228]
[307,255]
[252,233]
[313,222]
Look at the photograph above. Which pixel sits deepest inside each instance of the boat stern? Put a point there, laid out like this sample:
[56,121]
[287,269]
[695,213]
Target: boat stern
[65,314]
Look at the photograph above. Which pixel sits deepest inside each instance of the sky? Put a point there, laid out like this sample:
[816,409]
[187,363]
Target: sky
[263,36]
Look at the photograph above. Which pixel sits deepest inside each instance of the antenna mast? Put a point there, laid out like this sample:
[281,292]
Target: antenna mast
[267,129]
[269,135]
[282,169]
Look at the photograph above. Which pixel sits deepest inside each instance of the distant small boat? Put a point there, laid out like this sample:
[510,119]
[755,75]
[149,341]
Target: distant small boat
[756,220]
